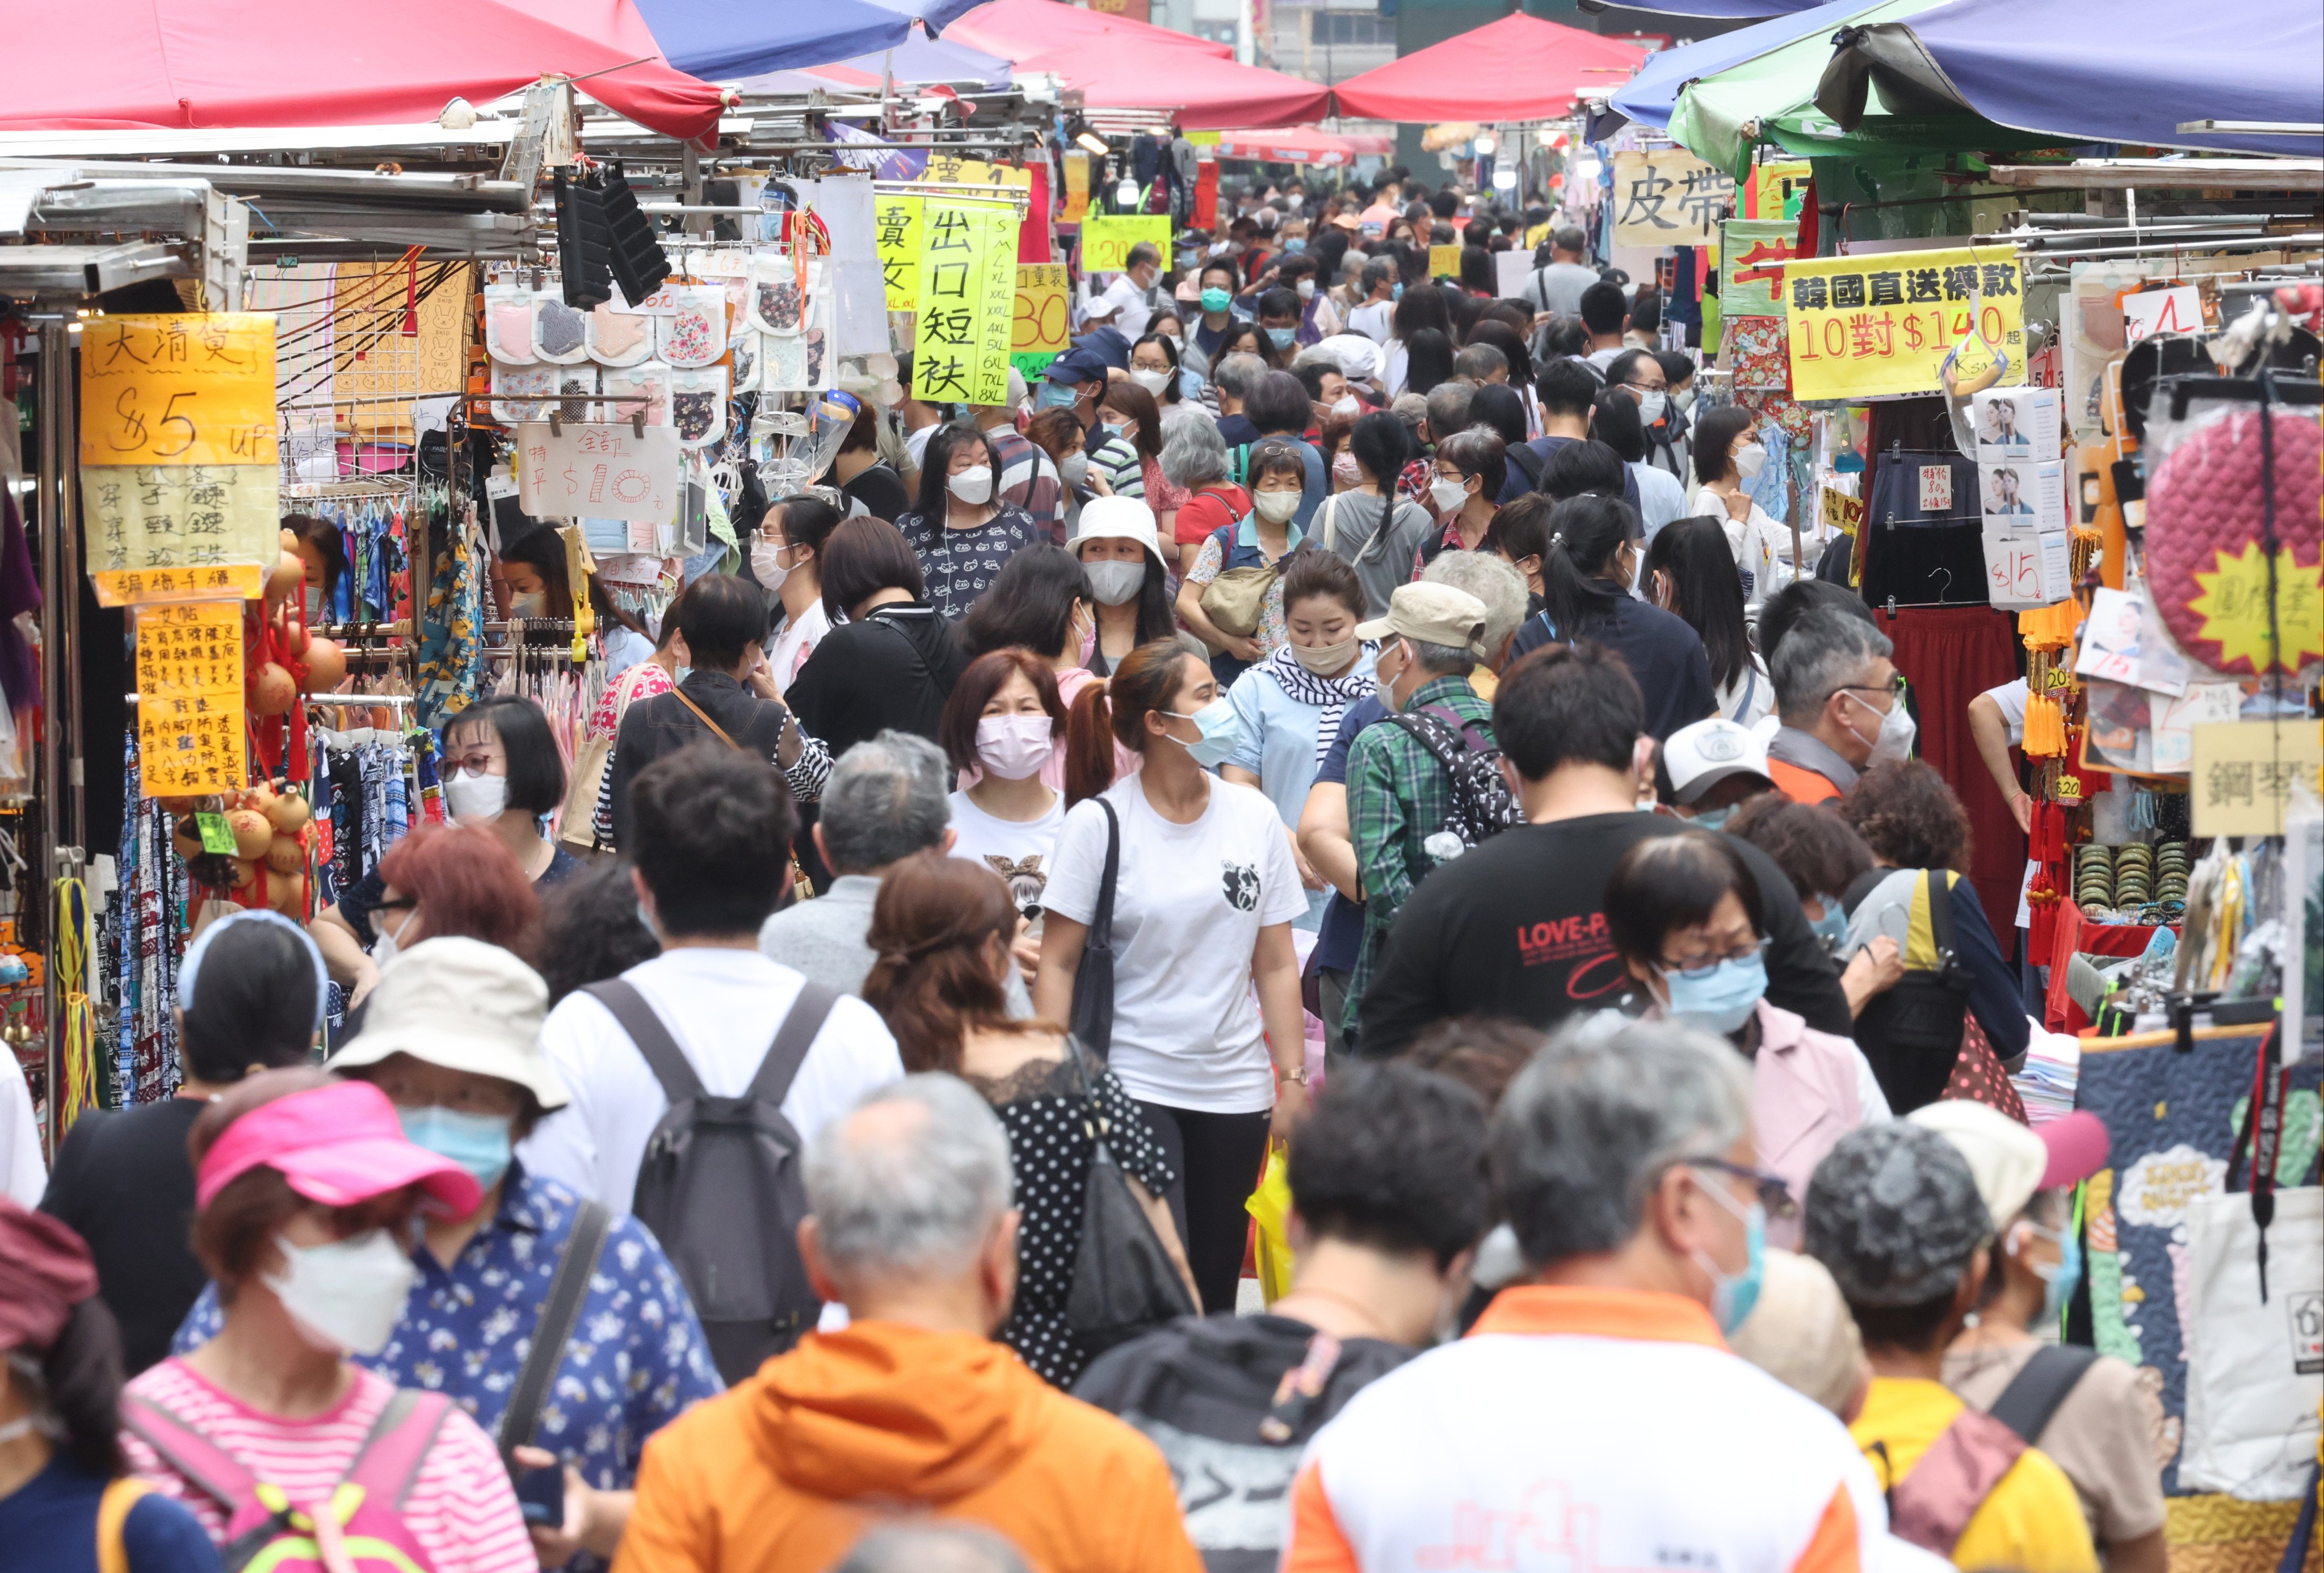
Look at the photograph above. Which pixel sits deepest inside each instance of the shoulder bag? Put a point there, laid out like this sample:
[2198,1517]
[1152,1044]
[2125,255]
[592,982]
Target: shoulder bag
[1124,1283]
[1911,1034]
[1093,1007]
[1236,601]
[554,1331]
[802,888]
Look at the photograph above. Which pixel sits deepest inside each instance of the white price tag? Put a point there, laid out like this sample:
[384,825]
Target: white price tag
[1936,488]
[2153,311]
[601,472]
[500,484]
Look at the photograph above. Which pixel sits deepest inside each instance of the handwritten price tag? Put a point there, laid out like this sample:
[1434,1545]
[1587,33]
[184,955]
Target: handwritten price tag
[195,389]
[1936,488]
[601,472]
[189,702]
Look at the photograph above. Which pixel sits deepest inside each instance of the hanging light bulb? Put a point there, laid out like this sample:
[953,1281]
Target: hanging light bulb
[1484,142]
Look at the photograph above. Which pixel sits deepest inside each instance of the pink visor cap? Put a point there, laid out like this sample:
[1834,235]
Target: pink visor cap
[337,1146]
[2078,1147]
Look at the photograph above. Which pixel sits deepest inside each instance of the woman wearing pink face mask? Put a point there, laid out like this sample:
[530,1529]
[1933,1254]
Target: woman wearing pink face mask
[304,1191]
[1003,729]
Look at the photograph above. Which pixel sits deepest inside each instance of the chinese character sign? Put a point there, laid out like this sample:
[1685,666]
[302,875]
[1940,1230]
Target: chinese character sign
[1037,324]
[191,389]
[1881,325]
[896,237]
[145,520]
[1751,260]
[190,708]
[597,472]
[1668,197]
[2242,773]
[967,300]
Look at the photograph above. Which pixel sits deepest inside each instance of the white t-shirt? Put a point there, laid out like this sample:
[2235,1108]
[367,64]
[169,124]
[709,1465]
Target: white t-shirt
[1371,320]
[1018,851]
[797,642]
[1749,697]
[1125,296]
[24,1176]
[722,1008]
[1188,906]
[2011,697]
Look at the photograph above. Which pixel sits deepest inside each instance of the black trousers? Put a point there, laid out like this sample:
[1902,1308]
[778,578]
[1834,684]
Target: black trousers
[1218,1159]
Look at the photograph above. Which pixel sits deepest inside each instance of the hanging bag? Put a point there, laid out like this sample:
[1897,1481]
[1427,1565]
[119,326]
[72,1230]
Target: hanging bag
[1092,1008]
[1236,600]
[1124,1281]
[1911,1034]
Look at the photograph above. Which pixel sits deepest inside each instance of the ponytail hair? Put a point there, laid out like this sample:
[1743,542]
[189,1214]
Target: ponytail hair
[1115,711]
[931,934]
[1584,535]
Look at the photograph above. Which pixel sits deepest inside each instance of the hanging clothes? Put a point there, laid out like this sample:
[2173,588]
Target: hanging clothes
[142,925]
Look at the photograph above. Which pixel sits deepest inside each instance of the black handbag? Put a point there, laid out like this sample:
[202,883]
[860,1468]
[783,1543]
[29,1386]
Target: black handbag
[1093,1011]
[1124,1283]
[1911,1034]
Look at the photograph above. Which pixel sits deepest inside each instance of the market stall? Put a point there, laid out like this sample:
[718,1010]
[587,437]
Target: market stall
[1517,69]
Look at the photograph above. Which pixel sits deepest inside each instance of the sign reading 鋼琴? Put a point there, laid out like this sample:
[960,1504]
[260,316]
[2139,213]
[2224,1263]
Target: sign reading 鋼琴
[1880,326]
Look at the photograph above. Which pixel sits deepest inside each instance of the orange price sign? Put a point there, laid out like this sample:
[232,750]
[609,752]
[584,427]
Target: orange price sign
[191,389]
[1038,325]
[189,699]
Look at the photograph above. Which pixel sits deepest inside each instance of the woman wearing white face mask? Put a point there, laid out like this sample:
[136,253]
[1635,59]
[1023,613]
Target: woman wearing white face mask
[1471,466]
[1154,366]
[1203,900]
[307,1188]
[1263,538]
[784,559]
[535,581]
[1004,730]
[1121,554]
[961,530]
[1136,418]
[452,1039]
[1728,457]
[1290,705]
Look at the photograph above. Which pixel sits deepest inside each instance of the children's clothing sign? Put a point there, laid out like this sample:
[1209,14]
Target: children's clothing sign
[967,297]
[1668,197]
[178,453]
[189,703]
[1880,326]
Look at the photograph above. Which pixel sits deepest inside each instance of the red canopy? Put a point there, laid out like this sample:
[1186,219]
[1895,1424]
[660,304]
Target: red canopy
[1199,91]
[131,64]
[1014,29]
[1295,144]
[1519,68]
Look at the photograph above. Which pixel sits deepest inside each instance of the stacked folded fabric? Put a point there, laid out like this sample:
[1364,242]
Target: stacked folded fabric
[2054,1065]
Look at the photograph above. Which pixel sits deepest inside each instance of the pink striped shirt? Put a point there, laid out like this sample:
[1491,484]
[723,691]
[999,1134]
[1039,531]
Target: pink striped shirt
[461,1510]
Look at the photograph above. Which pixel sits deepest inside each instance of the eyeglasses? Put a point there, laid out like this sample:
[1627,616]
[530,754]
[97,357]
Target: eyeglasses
[1775,1192]
[1895,685]
[1703,967]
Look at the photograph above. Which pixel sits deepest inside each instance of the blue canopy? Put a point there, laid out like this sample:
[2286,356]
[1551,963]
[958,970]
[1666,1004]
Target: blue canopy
[921,59]
[719,41]
[2052,66]
[938,14]
[1650,97]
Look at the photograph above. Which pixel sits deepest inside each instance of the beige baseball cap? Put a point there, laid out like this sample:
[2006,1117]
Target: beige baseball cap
[1433,613]
[465,1005]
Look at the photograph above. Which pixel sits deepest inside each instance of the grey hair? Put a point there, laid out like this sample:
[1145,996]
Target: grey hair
[1237,374]
[932,1548]
[886,799]
[1479,362]
[1448,407]
[1595,1119]
[1472,451]
[1443,660]
[909,1197]
[1492,581]
[1820,653]
[1194,454]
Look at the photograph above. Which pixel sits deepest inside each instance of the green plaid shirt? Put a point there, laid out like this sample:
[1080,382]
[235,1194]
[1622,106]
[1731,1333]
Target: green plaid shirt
[1397,797]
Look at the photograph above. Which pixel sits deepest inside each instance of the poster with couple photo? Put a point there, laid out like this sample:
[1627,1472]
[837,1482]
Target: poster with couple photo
[2022,493]
[2015,425]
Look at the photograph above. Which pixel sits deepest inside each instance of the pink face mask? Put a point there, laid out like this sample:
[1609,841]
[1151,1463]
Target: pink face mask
[1344,470]
[1013,747]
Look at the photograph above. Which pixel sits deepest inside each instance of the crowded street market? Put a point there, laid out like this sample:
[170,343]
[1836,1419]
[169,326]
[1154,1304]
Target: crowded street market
[1144,786]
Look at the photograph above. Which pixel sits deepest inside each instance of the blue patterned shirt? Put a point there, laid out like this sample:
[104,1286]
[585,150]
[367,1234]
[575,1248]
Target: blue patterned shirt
[636,1362]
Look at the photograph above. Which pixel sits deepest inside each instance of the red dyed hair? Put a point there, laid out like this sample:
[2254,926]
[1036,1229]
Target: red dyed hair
[469,884]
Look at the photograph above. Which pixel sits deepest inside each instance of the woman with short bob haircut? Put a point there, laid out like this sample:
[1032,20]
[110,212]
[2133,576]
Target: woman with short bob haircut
[892,663]
[306,1189]
[1004,731]
[1685,916]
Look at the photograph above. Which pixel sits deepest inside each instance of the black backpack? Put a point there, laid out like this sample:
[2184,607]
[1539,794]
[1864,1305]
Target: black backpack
[1482,804]
[719,1185]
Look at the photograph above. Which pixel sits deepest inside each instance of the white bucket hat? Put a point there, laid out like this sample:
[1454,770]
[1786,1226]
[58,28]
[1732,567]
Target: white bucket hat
[465,1005]
[1121,519]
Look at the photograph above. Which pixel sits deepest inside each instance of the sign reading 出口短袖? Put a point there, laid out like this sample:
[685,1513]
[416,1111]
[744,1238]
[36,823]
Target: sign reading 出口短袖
[967,300]
[1880,326]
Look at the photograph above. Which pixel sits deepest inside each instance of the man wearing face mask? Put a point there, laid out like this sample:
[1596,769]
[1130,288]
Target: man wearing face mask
[2087,1412]
[1380,1271]
[1130,300]
[452,1038]
[1624,1162]
[1216,285]
[1842,709]
[1278,318]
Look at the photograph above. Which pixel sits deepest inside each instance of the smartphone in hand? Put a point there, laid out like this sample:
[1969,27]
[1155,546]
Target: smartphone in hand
[540,1494]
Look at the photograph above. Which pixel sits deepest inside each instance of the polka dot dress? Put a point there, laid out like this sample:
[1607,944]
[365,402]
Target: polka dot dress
[1042,1109]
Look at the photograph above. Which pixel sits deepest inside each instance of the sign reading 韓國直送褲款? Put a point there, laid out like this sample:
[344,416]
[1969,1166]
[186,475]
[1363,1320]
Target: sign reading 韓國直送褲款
[1880,326]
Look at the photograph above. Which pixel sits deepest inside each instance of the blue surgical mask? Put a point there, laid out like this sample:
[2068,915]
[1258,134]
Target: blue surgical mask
[1281,337]
[1057,396]
[1713,818]
[1832,927]
[2058,1282]
[1734,1294]
[1396,290]
[479,1144]
[1297,244]
[1222,732]
[1721,1002]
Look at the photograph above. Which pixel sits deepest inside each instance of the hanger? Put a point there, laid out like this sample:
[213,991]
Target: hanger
[1894,606]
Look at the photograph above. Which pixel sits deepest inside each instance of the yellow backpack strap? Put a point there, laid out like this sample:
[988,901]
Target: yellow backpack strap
[111,1514]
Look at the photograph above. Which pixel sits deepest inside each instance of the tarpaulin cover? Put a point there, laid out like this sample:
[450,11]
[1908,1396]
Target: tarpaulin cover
[1650,97]
[917,59]
[938,14]
[718,39]
[2133,70]
[1775,88]
[1519,68]
[130,64]
[1016,29]
[1293,144]
[1200,91]
[1732,8]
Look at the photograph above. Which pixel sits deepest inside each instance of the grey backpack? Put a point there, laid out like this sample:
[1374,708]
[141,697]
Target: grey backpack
[719,1185]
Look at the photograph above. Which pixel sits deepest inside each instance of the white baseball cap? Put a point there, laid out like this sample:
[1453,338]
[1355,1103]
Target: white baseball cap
[1700,756]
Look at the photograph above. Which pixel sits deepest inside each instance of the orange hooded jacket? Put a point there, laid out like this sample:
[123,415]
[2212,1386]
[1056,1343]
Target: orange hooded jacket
[787,1469]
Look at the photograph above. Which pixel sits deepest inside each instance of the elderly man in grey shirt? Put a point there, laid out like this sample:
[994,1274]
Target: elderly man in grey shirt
[886,799]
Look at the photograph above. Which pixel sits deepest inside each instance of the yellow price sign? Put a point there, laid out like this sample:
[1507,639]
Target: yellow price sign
[1039,324]
[1444,262]
[896,237]
[1106,240]
[1881,325]
[188,389]
[190,704]
[148,524]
